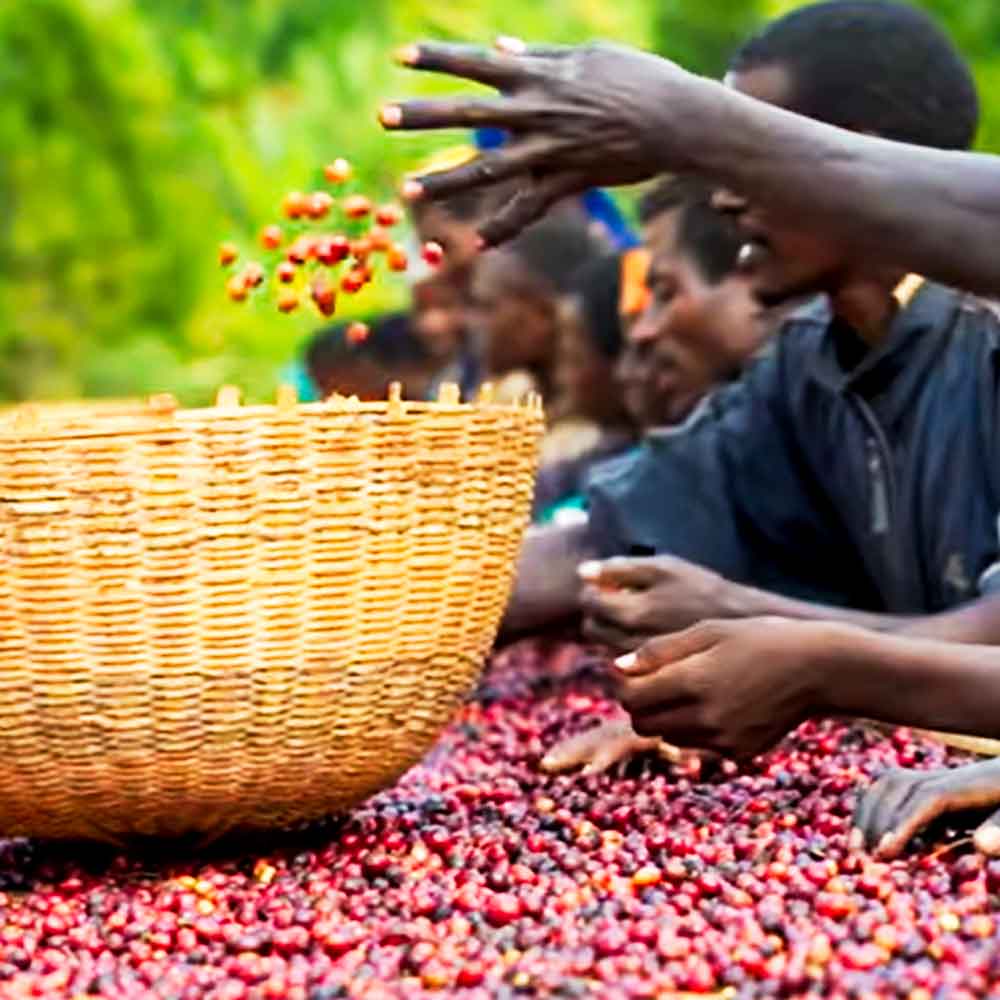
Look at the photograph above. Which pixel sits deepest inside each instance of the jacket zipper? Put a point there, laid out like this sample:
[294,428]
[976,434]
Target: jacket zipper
[879,523]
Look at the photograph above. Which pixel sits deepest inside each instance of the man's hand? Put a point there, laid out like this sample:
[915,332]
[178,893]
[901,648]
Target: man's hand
[600,748]
[578,118]
[901,803]
[735,687]
[627,601]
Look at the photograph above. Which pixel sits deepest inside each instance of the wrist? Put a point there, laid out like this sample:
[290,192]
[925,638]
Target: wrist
[843,669]
[676,128]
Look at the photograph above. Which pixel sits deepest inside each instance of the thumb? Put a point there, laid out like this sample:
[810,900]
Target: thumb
[666,650]
[635,574]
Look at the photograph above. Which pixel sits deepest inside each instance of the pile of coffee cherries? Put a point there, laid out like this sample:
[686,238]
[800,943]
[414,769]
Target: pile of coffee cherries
[310,259]
[477,876]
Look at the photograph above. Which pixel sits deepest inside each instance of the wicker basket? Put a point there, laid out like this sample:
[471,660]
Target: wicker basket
[243,617]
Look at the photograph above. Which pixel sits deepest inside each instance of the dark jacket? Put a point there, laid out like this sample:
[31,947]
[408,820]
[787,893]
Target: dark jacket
[863,478]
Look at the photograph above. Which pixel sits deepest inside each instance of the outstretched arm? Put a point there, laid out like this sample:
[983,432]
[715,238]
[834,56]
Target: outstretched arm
[602,115]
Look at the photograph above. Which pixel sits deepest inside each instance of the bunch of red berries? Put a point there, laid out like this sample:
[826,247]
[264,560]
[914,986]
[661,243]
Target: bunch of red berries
[311,260]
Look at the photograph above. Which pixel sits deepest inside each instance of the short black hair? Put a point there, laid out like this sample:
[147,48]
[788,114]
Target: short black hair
[711,239]
[871,66]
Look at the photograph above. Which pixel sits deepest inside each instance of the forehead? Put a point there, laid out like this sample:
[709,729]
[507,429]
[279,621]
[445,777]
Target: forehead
[770,84]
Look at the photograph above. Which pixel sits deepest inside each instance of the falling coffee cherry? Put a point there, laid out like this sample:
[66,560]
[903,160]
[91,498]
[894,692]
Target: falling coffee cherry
[379,238]
[236,288]
[338,171]
[285,272]
[357,206]
[227,253]
[324,295]
[396,258]
[319,205]
[301,250]
[332,249]
[288,301]
[357,333]
[353,281]
[432,253]
[253,275]
[389,215]
[361,248]
[295,205]
[271,237]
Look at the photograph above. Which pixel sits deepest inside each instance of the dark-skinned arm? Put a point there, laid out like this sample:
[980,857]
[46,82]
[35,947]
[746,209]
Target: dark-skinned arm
[603,115]
[546,583]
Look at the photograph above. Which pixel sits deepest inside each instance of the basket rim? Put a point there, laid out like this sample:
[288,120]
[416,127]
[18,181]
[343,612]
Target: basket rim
[34,422]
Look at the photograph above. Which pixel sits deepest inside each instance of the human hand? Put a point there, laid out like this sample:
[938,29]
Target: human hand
[735,687]
[600,748]
[579,117]
[901,803]
[628,601]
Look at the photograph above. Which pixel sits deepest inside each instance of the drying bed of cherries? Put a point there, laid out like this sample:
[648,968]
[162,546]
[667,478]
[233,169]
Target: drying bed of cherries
[477,876]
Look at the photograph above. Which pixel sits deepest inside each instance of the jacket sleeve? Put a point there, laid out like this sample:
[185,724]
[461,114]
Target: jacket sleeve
[727,490]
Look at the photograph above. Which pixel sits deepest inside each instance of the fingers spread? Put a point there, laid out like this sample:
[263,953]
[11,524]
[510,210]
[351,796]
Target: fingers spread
[487,168]
[494,67]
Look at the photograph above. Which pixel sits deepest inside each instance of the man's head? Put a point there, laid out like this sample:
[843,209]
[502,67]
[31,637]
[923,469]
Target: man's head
[335,364]
[515,295]
[439,316]
[702,322]
[870,66]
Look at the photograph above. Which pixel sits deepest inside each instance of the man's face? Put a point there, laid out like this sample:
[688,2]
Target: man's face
[439,316]
[516,326]
[692,336]
[785,263]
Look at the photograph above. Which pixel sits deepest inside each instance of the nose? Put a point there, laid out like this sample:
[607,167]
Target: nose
[646,327]
[728,202]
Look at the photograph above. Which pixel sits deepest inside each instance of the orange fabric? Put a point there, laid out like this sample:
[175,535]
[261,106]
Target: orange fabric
[634,294]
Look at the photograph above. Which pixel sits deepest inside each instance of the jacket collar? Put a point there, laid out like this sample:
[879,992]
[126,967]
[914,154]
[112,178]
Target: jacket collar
[925,309]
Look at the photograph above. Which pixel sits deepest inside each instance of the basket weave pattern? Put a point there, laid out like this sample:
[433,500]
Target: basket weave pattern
[244,617]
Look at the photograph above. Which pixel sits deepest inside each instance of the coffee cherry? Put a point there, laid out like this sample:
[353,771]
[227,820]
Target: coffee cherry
[332,249]
[319,204]
[357,333]
[271,237]
[324,295]
[228,252]
[285,271]
[357,206]
[253,275]
[338,171]
[379,239]
[301,250]
[432,253]
[236,288]
[288,301]
[389,215]
[353,281]
[397,259]
[361,249]
[295,205]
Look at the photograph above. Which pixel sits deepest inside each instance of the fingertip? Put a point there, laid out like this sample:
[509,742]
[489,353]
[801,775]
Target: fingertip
[589,570]
[412,190]
[407,55]
[627,663]
[987,839]
[510,45]
[856,840]
[886,846]
[390,116]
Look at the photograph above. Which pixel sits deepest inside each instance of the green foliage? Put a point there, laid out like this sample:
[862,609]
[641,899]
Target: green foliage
[137,134]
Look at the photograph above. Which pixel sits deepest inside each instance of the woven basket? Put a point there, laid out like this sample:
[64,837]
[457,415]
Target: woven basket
[243,617]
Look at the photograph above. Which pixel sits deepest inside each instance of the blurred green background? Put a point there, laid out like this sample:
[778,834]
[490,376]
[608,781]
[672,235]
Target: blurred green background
[137,134]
